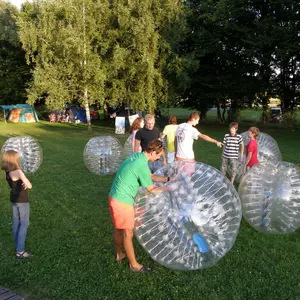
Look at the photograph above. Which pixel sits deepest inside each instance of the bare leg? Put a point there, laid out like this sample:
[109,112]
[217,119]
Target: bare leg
[128,246]
[232,179]
[118,241]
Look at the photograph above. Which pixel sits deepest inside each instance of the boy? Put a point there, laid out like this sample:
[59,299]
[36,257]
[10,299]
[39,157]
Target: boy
[132,174]
[233,143]
[186,133]
[252,149]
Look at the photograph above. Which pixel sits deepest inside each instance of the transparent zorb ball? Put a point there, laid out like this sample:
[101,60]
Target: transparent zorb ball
[30,152]
[268,150]
[103,155]
[194,222]
[128,146]
[270,196]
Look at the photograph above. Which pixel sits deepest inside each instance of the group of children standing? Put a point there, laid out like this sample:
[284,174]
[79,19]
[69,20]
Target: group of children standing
[180,140]
[233,151]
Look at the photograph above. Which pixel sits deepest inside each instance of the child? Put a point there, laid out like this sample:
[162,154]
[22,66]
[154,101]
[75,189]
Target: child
[170,132]
[137,124]
[233,143]
[18,184]
[252,149]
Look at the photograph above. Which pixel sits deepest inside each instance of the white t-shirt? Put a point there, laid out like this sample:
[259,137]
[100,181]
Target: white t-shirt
[185,135]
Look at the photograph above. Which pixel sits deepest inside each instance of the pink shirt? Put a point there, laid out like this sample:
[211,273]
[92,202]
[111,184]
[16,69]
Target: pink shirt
[133,139]
[252,147]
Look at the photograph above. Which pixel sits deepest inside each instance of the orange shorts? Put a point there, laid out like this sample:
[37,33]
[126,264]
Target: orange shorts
[122,214]
[188,167]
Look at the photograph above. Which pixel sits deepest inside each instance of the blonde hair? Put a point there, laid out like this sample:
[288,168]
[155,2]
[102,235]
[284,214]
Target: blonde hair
[255,131]
[149,117]
[10,161]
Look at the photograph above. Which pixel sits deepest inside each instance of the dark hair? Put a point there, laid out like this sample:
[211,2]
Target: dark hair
[173,120]
[136,125]
[193,115]
[255,131]
[234,124]
[156,146]
[10,161]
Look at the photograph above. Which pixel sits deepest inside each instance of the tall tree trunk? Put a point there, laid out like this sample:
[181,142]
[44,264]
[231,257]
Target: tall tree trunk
[86,99]
[87,109]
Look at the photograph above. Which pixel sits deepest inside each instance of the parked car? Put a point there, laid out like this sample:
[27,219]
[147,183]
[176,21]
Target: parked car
[276,114]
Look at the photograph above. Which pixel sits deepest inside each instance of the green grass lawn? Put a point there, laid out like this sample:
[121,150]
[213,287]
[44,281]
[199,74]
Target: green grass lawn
[70,233]
[247,115]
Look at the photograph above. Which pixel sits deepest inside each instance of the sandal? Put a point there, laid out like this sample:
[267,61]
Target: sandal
[24,254]
[143,269]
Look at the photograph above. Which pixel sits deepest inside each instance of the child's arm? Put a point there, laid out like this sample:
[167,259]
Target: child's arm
[162,136]
[242,151]
[224,143]
[249,155]
[27,184]
[137,144]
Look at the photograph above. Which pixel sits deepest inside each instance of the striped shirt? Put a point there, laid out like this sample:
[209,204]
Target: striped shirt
[232,145]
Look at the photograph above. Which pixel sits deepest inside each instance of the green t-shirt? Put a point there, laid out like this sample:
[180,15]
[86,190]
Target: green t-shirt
[133,173]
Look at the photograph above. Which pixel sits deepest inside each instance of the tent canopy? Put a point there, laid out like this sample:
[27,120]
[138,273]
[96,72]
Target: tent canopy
[10,107]
[23,113]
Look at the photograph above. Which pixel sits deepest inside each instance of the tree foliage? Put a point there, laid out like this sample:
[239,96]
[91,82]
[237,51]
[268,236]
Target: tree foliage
[245,52]
[14,72]
[95,51]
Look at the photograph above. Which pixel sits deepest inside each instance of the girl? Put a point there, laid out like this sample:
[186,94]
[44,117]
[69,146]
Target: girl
[18,184]
[137,124]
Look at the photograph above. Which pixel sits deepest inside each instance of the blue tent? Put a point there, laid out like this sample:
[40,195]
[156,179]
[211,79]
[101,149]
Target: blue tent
[23,113]
[77,114]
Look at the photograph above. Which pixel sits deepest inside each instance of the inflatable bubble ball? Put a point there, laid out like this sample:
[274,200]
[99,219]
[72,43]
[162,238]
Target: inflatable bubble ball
[103,155]
[30,152]
[194,222]
[268,150]
[128,146]
[270,196]
[267,147]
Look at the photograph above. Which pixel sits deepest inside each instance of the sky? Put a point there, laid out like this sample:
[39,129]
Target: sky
[17,3]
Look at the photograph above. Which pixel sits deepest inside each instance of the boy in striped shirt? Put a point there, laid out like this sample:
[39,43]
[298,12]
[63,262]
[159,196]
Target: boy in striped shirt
[233,144]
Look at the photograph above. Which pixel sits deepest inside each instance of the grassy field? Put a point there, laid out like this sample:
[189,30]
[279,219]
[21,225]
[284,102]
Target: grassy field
[247,115]
[70,233]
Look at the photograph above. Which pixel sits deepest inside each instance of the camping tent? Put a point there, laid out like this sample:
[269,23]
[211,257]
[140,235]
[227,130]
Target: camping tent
[23,113]
[76,114]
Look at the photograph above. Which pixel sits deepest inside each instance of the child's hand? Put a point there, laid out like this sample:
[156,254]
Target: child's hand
[219,144]
[24,186]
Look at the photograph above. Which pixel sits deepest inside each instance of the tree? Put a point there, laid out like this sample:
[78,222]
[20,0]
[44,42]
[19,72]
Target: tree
[97,51]
[62,40]
[14,72]
[138,49]
[245,52]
